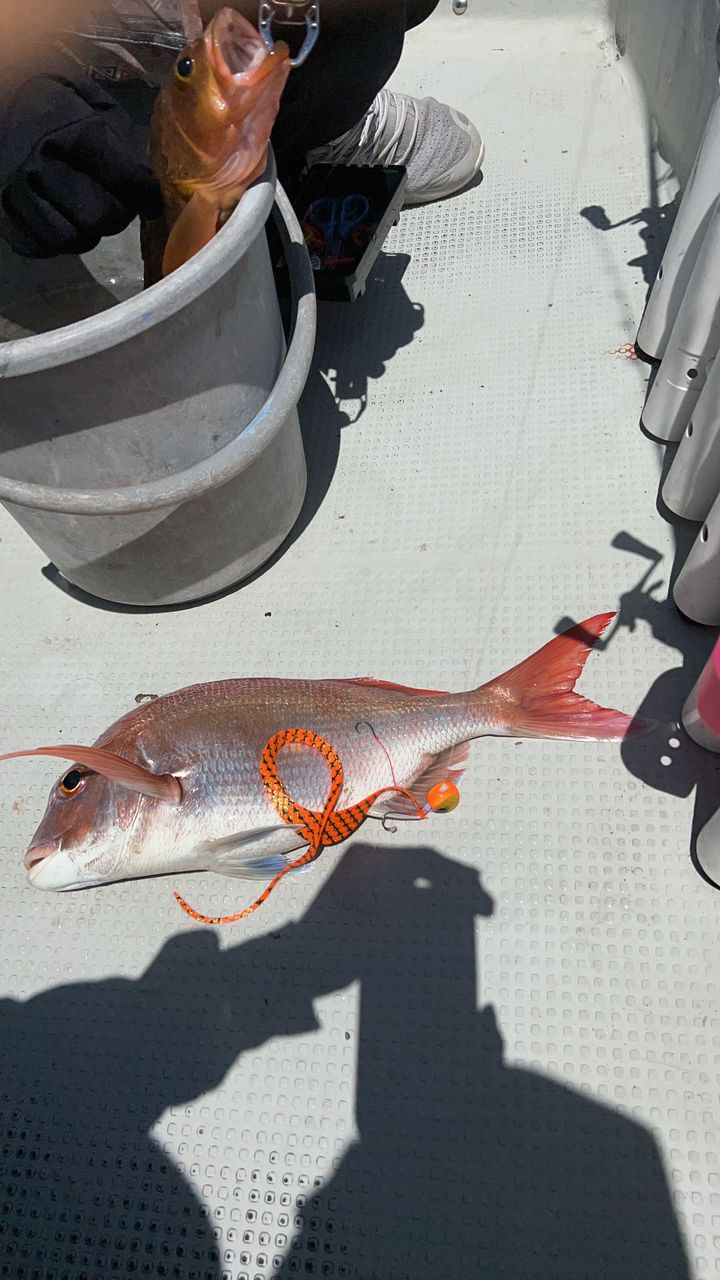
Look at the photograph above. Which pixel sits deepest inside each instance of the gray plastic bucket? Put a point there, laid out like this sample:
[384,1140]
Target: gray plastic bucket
[152,448]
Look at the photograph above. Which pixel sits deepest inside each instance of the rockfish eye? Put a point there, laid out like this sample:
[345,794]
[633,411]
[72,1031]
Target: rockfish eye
[73,781]
[184,68]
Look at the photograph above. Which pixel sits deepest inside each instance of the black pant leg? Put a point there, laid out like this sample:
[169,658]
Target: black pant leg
[351,62]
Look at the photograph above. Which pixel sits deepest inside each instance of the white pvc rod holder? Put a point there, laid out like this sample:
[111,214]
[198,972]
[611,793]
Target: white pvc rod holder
[707,848]
[701,719]
[692,345]
[695,727]
[693,481]
[701,192]
[697,587]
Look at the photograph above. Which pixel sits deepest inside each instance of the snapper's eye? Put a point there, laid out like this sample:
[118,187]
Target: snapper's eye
[73,781]
[184,69]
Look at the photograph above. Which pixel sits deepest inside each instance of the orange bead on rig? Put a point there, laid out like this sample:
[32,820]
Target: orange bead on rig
[443,797]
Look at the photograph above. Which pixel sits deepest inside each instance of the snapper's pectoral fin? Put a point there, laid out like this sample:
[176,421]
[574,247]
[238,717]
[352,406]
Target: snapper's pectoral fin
[252,855]
[196,227]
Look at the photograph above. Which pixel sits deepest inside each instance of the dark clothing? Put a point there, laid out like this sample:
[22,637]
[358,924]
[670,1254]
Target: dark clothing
[72,167]
[334,88]
[73,164]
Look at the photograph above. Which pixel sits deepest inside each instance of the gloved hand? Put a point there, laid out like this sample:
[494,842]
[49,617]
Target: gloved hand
[73,167]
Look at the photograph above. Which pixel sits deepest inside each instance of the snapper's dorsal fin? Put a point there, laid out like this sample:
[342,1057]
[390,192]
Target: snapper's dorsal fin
[371,682]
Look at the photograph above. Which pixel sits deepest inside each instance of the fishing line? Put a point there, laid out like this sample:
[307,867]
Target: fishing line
[386,819]
[365,724]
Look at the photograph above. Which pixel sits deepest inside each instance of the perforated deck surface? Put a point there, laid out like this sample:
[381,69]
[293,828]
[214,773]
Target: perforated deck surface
[491,1049]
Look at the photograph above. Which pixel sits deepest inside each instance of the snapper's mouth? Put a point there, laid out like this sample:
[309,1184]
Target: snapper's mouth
[49,868]
[238,53]
[40,853]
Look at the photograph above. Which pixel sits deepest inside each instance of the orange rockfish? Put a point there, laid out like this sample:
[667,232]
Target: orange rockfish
[178,784]
[211,129]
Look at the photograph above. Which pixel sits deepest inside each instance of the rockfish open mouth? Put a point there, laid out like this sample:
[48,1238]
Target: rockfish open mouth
[238,52]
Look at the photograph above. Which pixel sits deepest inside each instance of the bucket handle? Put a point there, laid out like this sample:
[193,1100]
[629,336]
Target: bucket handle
[233,458]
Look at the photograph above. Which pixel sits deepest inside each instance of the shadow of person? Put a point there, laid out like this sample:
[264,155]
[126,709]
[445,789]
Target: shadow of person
[86,1070]
[465,1165]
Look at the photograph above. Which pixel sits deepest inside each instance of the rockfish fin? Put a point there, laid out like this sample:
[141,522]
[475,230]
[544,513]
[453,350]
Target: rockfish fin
[448,766]
[196,227]
[252,855]
[540,697]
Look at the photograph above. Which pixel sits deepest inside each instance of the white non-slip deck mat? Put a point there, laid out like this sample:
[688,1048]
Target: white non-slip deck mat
[489,1046]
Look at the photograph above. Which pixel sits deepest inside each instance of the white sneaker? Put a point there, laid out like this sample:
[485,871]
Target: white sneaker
[441,150]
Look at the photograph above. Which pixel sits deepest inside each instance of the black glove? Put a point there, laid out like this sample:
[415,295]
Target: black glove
[73,167]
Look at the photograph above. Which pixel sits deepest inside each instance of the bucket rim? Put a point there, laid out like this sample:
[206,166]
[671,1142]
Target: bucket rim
[223,466]
[129,319]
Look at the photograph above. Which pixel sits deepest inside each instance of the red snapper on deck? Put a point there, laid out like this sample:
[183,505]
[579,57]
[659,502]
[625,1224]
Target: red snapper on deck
[176,785]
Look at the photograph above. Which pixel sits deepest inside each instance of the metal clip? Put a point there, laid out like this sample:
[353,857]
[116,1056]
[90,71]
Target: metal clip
[460,7]
[291,13]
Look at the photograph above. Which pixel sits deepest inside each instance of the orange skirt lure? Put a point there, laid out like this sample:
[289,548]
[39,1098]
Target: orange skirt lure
[321,830]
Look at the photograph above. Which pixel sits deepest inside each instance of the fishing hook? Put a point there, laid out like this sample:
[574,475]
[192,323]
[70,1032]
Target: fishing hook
[291,13]
[387,820]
